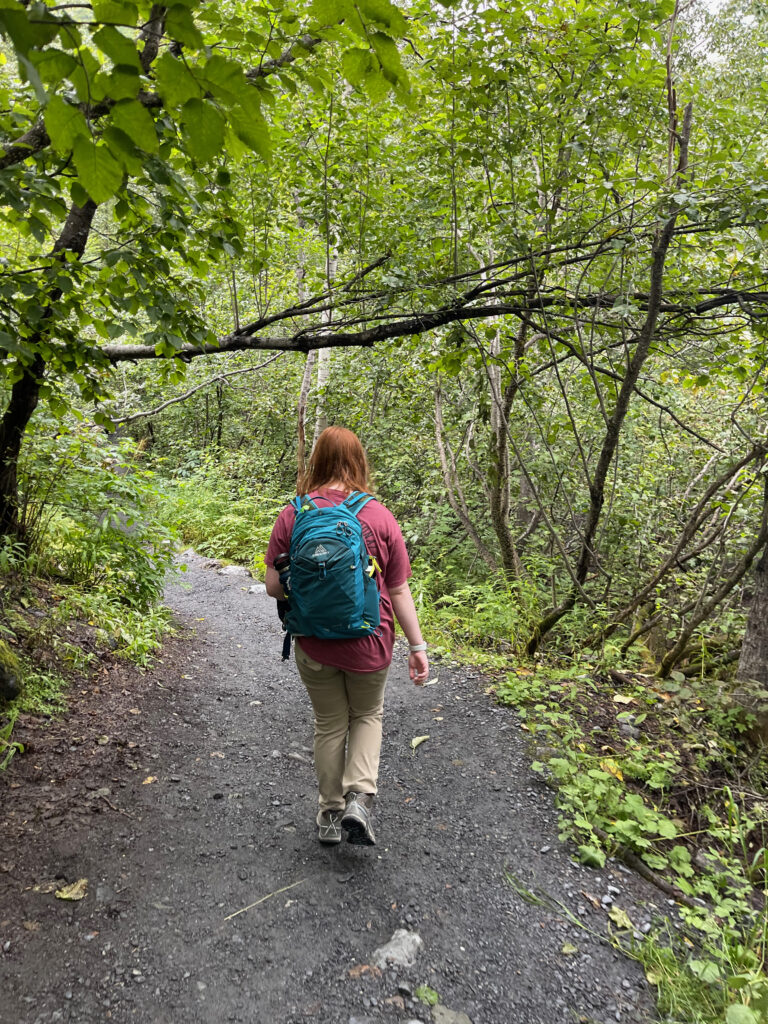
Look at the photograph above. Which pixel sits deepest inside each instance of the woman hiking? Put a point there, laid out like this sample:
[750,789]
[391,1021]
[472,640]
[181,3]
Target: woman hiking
[345,678]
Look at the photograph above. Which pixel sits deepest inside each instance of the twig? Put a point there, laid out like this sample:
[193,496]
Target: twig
[265,898]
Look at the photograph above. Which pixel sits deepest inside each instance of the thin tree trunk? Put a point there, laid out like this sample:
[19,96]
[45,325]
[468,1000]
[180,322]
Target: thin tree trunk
[453,488]
[301,451]
[753,660]
[616,419]
[324,362]
[706,608]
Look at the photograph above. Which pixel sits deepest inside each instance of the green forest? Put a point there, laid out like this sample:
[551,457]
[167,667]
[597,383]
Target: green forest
[521,250]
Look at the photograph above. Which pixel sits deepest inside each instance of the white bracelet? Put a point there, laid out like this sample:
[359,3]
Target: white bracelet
[416,647]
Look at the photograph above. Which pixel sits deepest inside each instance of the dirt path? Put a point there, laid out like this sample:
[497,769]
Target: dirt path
[223,731]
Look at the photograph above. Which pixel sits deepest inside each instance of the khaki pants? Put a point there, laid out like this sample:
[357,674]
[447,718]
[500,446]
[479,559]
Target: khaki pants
[348,710]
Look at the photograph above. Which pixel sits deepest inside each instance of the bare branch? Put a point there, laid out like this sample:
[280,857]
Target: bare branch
[219,378]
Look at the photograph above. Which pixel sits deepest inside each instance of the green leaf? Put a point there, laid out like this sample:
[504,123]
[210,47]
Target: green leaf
[53,65]
[427,995]
[98,171]
[123,150]
[115,12]
[740,1014]
[377,86]
[356,63]
[203,128]
[174,82]
[64,123]
[119,48]
[121,83]
[706,970]
[384,13]
[180,25]
[22,31]
[389,57]
[592,856]
[330,12]
[253,131]
[225,78]
[135,120]
[620,918]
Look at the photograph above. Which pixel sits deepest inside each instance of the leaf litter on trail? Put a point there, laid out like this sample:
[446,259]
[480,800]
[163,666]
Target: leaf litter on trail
[620,918]
[75,891]
[47,887]
[417,741]
[360,969]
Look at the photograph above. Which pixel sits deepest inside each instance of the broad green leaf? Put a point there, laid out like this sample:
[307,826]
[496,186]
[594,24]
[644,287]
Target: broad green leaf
[203,128]
[123,150]
[180,25]
[740,1014]
[356,63]
[52,64]
[23,32]
[253,131]
[135,120]
[115,12]
[329,12]
[706,970]
[98,171]
[88,77]
[119,48]
[384,13]
[64,123]
[389,57]
[225,78]
[620,918]
[592,856]
[121,83]
[377,86]
[174,82]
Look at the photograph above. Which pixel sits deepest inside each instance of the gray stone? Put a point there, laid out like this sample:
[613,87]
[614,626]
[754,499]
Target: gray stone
[442,1015]
[401,950]
[257,588]
[233,570]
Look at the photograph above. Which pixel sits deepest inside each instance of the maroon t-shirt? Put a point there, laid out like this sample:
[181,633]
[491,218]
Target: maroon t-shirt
[384,542]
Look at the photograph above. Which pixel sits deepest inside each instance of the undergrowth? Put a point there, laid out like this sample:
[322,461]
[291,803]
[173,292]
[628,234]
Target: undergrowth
[663,773]
[87,580]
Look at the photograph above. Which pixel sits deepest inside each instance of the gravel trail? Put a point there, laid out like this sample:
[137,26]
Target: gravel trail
[206,806]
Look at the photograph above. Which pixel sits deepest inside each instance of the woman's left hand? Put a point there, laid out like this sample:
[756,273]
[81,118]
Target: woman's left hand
[418,667]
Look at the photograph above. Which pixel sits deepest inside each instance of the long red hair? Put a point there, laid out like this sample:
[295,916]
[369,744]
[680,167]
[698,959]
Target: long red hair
[337,456]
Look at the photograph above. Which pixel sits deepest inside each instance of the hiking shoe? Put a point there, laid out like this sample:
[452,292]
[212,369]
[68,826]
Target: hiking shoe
[356,819]
[329,827]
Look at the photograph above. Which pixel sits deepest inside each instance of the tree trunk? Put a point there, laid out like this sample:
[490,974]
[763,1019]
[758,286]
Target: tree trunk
[301,452]
[25,392]
[24,398]
[753,661]
[752,673]
[324,362]
[615,422]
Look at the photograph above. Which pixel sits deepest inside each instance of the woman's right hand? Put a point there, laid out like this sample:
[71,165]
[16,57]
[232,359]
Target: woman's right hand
[418,667]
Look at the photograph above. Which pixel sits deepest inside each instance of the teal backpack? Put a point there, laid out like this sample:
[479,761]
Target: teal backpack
[333,594]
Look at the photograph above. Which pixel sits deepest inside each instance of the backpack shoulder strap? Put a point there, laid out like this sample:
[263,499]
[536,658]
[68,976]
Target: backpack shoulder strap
[302,502]
[357,500]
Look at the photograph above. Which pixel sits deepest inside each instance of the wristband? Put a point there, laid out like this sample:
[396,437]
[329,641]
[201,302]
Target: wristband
[413,648]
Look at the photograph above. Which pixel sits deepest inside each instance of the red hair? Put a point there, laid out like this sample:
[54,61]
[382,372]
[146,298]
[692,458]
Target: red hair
[337,456]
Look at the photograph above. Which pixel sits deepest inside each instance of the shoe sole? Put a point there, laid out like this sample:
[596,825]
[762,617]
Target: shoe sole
[358,833]
[329,842]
